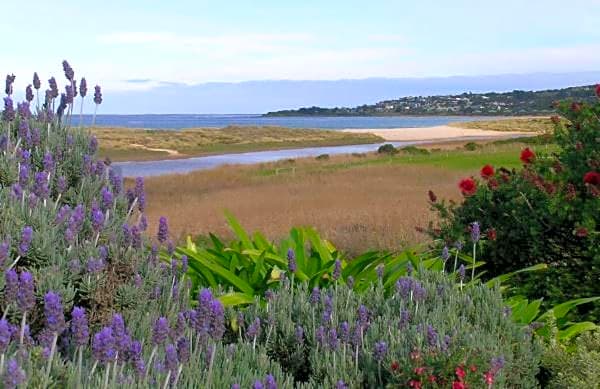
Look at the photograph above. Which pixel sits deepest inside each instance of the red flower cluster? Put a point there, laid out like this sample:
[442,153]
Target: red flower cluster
[527,156]
[467,186]
[491,234]
[592,178]
[487,171]
[598,90]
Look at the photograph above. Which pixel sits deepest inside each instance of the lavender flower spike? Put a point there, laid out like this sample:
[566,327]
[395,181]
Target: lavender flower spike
[53,310]
[69,73]
[475,232]
[337,270]
[97,95]
[160,331]
[379,351]
[13,376]
[26,238]
[83,87]
[79,327]
[163,230]
[26,293]
[291,257]
[37,84]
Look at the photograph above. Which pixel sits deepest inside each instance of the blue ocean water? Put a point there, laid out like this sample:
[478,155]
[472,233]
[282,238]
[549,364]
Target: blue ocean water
[335,122]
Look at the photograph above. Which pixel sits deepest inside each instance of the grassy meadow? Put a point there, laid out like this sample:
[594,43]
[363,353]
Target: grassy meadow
[120,144]
[360,202]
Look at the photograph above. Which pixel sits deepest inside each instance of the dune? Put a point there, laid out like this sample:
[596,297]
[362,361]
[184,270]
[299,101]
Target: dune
[435,133]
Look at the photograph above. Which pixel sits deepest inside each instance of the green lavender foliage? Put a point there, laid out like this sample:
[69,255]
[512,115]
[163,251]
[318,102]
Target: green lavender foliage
[473,319]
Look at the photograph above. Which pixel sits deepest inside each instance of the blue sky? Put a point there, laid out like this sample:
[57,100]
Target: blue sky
[138,45]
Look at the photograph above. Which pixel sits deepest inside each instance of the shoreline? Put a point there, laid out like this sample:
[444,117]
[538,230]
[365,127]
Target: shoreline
[436,133]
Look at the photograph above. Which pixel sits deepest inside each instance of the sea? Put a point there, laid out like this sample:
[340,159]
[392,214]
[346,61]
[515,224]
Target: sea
[317,122]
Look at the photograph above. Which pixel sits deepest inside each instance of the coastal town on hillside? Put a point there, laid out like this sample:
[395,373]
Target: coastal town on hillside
[518,103]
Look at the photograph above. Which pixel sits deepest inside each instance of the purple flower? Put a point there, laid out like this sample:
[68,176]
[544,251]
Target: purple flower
[291,257]
[332,339]
[16,191]
[461,272]
[48,162]
[40,185]
[107,198]
[350,282]
[122,338]
[9,111]
[496,364]
[97,95]
[136,237]
[345,332]
[341,385]
[93,146]
[26,293]
[53,88]
[432,336]
[10,79]
[79,327]
[363,316]
[97,218]
[337,270]
[171,361]
[69,73]
[379,351]
[5,335]
[320,335]
[404,319]
[83,87]
[36,81]
[61,106]
[61,184]
[379,270]
[315,296]
[254,329]
[14,375]
[94,265]
[35,136]
[160,331]
[26,238]
[235,386]
[143,225]
[103,345]
[29,93]
[53,311]
[217,327]
[270,382]
[163,230]
[299,334]
[183,350]
[63,214]
[257,385]
[475,232]
[11,285]
[445,253]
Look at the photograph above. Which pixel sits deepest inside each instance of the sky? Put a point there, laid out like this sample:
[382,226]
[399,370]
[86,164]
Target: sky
[136,45]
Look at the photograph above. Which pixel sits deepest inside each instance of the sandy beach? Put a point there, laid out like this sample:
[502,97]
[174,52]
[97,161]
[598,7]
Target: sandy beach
[435,133]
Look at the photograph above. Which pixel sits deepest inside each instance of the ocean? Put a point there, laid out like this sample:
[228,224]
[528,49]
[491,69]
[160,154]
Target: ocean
[320,122]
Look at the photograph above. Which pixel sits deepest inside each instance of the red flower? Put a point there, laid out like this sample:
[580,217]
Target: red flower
[467,186]
[487,171]
[598,90]
[432,196]
[419,370]
[460,372]
[581,232]
[459,385]
[473,368]
[415,384]
[493,183]
[576,107]
[395,366]
[527,156]
[488,377]
[431,378]
[592,178]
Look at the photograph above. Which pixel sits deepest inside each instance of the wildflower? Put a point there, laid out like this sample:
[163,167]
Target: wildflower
[97,218]
[53,311]
[97,95]
[432,336]
[419,370]
[83,87]
[11,285]
[53,88]
[379,351]
[217,326]
[496,364]
[14,375]
[581,232]
[26,238]
[9,111]
[257,385]
[183,349]
[461,272]
[445,253]
[10,79]
[79,327]
[61,184]
[527,156]
[459,385]
[395,365]
[5,335]
[29,93]
[254,329]
[467,186]
[491,234]
[315,296]
[592,178]
[320,335]
[160,331]
[341,385]
[103,345]
[332,339]
[415,384]
[40,185]
[337,270]
[163,230]
[598,90]
[69,73]
[488,377]
[291,257]
[69,94]
[37,84]
[26,293]
[460,372]
[171,361]
[270,382]
[404,318]
[487,171]
[475,232]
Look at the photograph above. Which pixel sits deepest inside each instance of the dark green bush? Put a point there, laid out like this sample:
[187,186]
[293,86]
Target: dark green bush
[471,146]
[322,157]
[413,150]
[546,212]
[387,149]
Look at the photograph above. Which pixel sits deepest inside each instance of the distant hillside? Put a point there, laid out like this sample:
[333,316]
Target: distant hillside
[515,103]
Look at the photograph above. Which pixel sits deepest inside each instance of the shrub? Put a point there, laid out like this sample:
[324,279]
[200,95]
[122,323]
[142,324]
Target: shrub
[412,150]
[471,146]
[322,157]
[578,367]
[545,212]
[387,148]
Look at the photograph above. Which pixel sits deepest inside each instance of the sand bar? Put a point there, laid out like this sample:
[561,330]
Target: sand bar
[434,133]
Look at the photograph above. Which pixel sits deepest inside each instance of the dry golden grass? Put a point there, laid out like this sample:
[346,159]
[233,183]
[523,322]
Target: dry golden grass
[140,144]
[365,207]
[528,124]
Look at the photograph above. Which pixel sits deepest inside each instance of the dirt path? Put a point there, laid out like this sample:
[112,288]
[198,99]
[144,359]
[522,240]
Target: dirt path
[168,151]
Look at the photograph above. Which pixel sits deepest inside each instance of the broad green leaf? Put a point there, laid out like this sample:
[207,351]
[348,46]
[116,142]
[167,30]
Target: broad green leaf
[561,310]
[236,299]
[575,330]
[238,230]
